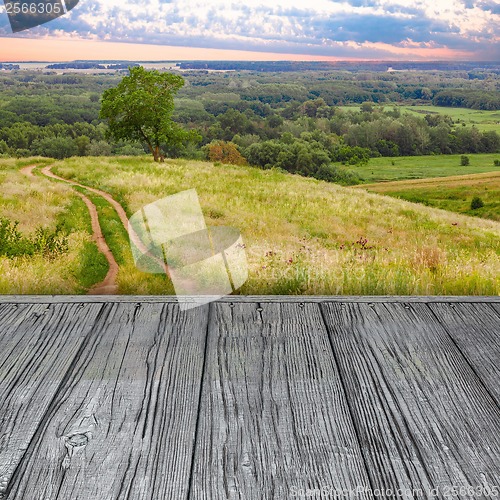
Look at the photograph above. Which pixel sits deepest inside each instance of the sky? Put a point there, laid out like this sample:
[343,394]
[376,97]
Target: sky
[262,30]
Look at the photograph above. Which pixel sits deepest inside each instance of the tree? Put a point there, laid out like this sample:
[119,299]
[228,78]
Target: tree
[140,108]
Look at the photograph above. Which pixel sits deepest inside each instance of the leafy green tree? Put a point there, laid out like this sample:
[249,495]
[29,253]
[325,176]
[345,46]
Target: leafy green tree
[82,143]
[140,108]
[4,147]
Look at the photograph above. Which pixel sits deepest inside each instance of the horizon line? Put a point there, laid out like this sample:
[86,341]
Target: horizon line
[329,61]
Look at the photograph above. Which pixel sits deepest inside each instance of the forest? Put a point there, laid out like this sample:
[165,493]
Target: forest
[319,123]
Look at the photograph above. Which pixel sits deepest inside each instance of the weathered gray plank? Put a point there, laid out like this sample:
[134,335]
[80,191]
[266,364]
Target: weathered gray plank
[424,419]
[25,299]
[496,307]
[123,425]
[476,330]
[38,344]
[11,317]
[273,419]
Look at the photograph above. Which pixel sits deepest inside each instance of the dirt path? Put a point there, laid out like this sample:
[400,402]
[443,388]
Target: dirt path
[119,210]
[28,170]
[108,286]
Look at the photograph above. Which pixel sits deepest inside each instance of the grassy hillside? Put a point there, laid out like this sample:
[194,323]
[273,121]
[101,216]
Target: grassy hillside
[450,193]
[424,167]
[309,237]
[38,204]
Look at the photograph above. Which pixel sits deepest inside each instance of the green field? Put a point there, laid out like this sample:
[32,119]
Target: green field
[423,167]
[451,193]
[483,120]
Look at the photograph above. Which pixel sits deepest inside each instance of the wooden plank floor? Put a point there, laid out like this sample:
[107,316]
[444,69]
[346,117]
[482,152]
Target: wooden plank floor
[249,398]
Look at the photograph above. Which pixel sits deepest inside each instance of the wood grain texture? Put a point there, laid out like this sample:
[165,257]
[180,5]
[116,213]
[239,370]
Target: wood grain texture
[273,416]
[123,424]
[32,299]
[475,328]
[424,418]
[38,344]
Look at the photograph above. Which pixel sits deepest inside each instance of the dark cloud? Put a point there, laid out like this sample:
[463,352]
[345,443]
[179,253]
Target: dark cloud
[489,5]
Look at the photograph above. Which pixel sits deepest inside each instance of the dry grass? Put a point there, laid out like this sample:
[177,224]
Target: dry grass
[36,202]
[308,237]
[32,201]
[487,179]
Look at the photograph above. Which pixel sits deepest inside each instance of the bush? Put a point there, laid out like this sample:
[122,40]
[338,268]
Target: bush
[45,241]
[476,203]
[12,242]
[497,163]
[464,161]
[224,152]
[339,175]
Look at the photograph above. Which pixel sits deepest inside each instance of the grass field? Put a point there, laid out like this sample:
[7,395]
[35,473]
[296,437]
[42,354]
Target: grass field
[423,167]
[305,236]
[452,193]
[483,120]
[36,202]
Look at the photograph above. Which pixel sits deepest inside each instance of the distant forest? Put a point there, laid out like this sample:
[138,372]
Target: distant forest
[293,118]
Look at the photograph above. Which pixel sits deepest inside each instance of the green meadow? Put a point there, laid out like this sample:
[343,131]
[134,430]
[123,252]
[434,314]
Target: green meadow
[423,167]
[483,120]
[450,193]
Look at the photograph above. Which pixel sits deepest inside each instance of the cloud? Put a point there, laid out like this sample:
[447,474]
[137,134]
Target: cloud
[348,28]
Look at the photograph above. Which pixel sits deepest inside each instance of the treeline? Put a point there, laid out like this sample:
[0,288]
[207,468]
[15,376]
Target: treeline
[287,66]
[381,131]
[90,65]
[62,140]
[473,99]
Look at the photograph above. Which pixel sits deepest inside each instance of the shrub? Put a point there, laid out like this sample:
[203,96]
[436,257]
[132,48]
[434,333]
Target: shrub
[225,152]
[464,160]
[12,242]
[339,175]
[50,243]
[45,241]
[497,163]
[476,203]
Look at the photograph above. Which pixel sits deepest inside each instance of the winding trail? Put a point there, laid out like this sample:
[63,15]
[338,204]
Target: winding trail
[108,286]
